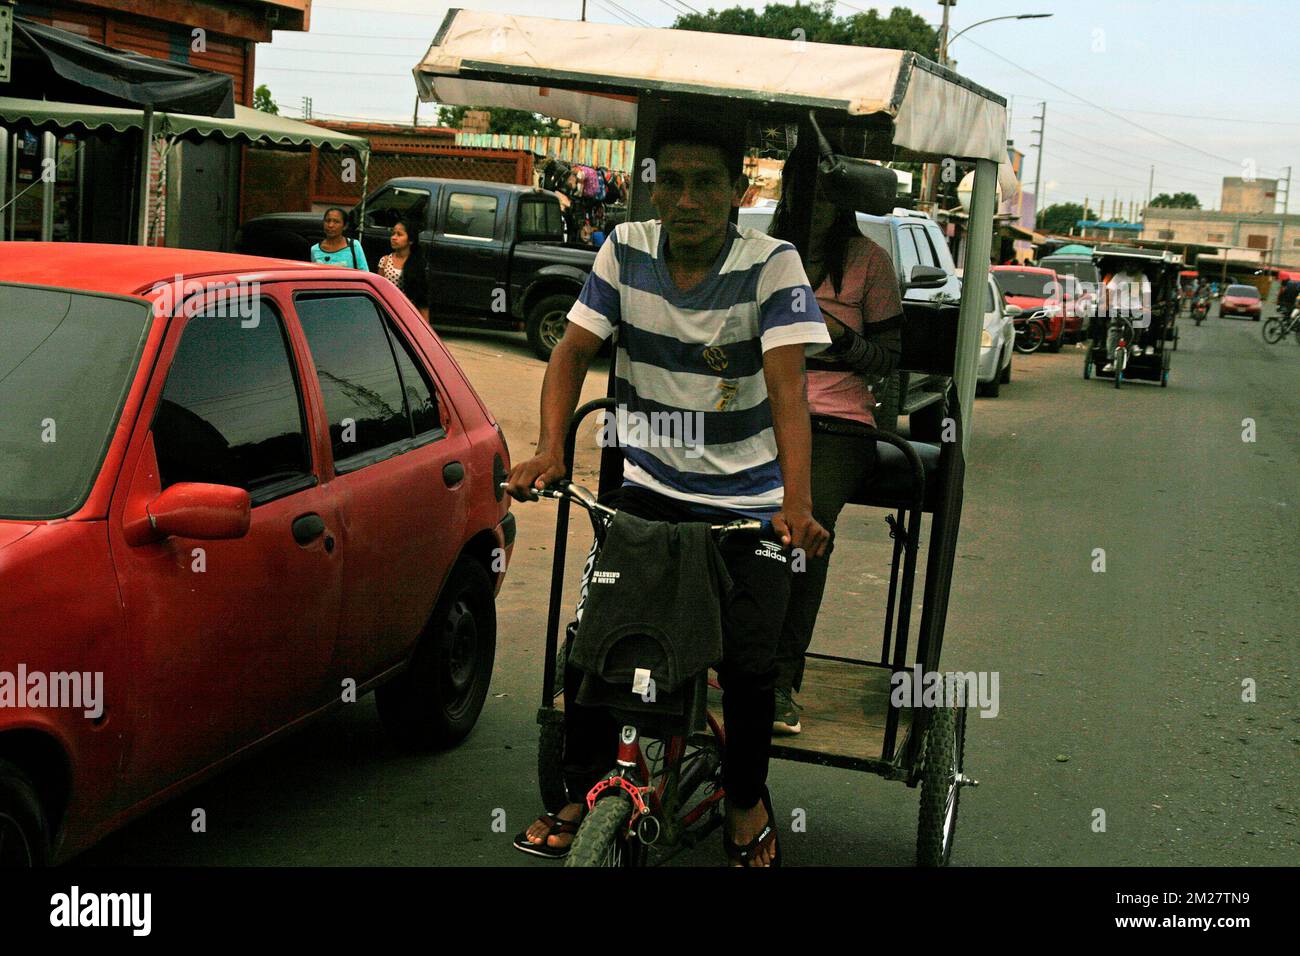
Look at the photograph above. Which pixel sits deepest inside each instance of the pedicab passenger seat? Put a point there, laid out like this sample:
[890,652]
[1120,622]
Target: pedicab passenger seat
[893,485]
[929,342]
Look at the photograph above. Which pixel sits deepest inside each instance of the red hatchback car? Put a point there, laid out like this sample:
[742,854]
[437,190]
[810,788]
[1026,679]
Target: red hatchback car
[1241,300]
[235,493]
[1038,294]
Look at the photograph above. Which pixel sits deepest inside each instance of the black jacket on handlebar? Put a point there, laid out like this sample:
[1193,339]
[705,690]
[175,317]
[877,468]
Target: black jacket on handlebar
[654,604]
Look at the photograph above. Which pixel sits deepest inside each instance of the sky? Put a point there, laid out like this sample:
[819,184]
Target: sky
[1199,89]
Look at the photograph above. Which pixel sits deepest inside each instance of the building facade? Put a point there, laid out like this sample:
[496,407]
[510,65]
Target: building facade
[88,201]
[1274,238]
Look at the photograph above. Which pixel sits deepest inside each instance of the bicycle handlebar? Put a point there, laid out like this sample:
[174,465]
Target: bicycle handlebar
[565,490]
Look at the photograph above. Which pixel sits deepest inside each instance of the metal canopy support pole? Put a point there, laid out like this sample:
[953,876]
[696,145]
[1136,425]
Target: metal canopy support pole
[979,242]
[146,147]
[49,172]
[5,137]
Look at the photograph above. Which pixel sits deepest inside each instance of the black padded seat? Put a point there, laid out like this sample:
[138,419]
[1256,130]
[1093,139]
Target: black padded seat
[890,486]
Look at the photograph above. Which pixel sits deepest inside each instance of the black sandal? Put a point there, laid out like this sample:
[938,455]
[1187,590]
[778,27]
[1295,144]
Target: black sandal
[554,825]
[766,836]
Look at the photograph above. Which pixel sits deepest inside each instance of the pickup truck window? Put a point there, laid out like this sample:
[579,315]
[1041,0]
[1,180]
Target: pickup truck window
[395,204]
[471,215]
[540,219]
[907,254]
[925,251]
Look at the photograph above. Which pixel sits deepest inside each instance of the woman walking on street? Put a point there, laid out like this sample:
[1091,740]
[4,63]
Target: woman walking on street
[404,266]
[857,291]
[337,249]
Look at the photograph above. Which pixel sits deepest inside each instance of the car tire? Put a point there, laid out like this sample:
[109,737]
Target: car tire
[24,830]
[546,322]
[1006,372]
[436,701]
[1056,346]
[993,388]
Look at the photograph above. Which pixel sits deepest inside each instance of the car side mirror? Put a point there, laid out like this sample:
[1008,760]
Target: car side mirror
[1012,310]
[191,509]
[926,277]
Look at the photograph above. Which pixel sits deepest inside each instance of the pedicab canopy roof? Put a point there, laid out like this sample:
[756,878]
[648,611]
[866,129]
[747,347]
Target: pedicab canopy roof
[593,72]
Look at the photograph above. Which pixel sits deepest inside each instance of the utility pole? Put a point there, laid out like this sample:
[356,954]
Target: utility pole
[415,114]
[306,107]
[1042,124]
[584,11]
[943,32]
[930,171]
[1151,184]
[1281,219]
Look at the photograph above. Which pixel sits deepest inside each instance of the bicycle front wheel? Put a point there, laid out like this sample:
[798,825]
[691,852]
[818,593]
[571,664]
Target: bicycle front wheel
[1273,331]
[602,839]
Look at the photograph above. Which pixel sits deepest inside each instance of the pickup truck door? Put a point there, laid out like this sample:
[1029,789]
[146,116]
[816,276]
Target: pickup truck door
[471,250]
[388,206]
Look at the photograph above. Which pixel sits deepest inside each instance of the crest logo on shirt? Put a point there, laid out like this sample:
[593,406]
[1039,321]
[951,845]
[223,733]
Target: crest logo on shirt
[715,358]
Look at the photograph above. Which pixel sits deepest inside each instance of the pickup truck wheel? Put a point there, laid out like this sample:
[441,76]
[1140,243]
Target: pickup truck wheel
[546,322]
[24,831]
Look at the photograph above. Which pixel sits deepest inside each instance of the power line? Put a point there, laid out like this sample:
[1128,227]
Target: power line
[1191,116]
[638,20]
[1217,181]
[610,12]
[1057,86]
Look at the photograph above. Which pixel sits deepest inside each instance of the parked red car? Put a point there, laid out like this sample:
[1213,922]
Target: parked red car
[237,493]
[1032,289]
[1241,300]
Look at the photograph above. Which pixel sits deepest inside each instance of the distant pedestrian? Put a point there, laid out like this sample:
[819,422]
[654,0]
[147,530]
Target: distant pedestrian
[337,249]
[404,267]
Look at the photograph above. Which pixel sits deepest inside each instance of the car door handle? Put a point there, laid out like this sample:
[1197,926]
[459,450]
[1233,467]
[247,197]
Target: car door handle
[307,528]
[453,473]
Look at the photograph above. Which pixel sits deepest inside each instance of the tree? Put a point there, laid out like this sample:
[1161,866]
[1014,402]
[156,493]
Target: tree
[817,23]
[1060,217]
[501,120]
[1177,201]
[262,100]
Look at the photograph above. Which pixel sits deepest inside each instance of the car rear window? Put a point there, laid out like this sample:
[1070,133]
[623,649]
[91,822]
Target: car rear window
[66,364]
[1245,291]
[377,399]
[1032,284]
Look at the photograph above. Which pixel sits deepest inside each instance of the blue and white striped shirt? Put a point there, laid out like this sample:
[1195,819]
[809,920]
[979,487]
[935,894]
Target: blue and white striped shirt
[694,418]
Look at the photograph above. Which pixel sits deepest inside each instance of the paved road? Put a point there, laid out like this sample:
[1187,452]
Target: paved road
[1135,674]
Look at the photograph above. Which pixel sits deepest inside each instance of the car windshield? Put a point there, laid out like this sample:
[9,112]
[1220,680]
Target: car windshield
[1082,269]
[1244,291]
[66,363]
[1034,284]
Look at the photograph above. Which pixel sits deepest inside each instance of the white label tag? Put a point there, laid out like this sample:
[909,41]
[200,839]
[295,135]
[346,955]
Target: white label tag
[641,680]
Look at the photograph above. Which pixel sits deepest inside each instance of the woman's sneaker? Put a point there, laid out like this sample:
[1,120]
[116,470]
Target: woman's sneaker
[786,719]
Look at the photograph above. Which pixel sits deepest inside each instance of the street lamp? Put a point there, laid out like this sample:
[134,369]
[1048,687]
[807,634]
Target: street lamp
[943,49]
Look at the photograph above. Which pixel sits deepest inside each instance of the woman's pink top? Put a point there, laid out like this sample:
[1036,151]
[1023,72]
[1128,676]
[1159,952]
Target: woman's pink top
[868,293]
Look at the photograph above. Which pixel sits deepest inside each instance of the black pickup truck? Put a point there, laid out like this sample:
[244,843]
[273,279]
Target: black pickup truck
[497,254]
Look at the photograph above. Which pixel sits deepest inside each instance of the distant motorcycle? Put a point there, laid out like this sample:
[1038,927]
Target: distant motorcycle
[1200,309]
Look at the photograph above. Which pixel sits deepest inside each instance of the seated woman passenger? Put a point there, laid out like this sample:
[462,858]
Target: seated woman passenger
[857,290]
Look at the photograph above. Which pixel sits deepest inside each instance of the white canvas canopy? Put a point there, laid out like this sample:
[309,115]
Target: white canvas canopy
[593,72]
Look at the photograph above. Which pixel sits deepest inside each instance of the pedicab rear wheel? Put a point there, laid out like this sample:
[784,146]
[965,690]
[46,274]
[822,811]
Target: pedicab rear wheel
[941,782]
[602,839]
